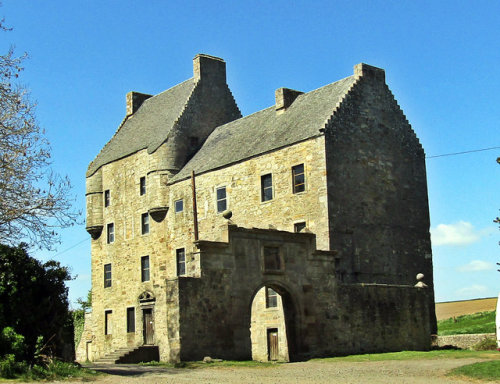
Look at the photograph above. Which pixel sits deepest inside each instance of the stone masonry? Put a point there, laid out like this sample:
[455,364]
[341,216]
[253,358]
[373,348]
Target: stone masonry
[194,211]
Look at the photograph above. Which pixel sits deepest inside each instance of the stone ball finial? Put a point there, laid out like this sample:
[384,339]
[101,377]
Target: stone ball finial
[227,214]
[420,283]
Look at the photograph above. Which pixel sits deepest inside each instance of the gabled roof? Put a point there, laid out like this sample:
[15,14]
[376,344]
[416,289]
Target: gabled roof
[266,130]
[148,127]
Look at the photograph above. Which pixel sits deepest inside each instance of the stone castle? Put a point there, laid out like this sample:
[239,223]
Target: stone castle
[293,232]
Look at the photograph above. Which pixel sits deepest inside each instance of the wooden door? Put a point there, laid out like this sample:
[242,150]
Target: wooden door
[148,326]
[272,344]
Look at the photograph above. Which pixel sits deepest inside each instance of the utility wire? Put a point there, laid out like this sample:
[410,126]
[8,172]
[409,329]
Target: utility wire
[462,153]
[73,246]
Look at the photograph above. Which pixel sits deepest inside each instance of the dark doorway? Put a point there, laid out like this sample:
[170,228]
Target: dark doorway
[148,326]
[272,344]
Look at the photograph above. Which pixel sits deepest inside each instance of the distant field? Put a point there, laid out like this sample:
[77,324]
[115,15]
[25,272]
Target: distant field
[467,307]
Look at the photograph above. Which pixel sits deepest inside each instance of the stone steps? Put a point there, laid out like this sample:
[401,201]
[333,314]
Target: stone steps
[130,355]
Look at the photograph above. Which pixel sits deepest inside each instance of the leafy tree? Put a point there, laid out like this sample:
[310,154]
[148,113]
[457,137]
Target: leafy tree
[34,300]
[34,201]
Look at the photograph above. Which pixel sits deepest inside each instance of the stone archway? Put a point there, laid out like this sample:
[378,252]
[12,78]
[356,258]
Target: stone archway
[273,324]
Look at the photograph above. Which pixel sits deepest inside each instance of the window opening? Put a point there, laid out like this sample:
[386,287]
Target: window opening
[298,178]
[145,268]
[130,319]
[107,275]
[142,185]
[107,322]
[179,206]
[299,227]
[221,199]
[181,262]
[107,198]
[271,298]
[145,223]
[266,182]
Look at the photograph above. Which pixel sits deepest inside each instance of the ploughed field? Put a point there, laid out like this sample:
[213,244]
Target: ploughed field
[467,307]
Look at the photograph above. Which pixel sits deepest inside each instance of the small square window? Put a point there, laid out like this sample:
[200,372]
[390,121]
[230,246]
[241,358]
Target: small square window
[142,186]
[271,298]
[298,178]
[181,262]
[107,275]
[145,223]
[107,198]
[266,184]
[272,259]
[221,199]
[111,233]
[179,206]
[299,227]
[130,320]
[107,322]
[145,268]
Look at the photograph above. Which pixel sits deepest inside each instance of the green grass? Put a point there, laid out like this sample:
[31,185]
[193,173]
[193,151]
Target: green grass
[56,370]
[486,370]
[481,322]
[413,355]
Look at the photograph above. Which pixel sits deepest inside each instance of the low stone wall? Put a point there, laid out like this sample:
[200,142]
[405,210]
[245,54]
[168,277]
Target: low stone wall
[461,341]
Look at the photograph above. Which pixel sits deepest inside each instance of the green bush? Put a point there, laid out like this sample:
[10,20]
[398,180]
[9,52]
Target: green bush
[10,368]
[11,343]
[485,345]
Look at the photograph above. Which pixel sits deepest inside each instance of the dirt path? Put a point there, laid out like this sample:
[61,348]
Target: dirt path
[380,372]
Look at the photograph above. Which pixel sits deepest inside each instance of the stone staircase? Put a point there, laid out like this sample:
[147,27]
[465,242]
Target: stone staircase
[132,355]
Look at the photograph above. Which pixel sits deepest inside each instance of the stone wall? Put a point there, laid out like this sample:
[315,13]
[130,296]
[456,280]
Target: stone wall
[320,319]
[377,188]
[462,341]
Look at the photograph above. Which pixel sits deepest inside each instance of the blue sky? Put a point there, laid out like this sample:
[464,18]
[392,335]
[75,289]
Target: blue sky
[441,60]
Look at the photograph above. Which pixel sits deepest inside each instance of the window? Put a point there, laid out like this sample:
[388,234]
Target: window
[145,223]
[107,322]
[272,259]
[111,233]
[179,206]
[221,199]
[299,227]
[298,178]
[271,298]
[107,275]
[130,320]
[107,198]
[181,262]
[142,185]
[266,185]
[145,268]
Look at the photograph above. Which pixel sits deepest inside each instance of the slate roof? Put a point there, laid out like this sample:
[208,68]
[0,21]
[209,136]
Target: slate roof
[148,127]
[266,130]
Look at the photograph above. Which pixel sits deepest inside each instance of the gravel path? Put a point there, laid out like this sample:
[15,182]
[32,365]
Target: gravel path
[383,372]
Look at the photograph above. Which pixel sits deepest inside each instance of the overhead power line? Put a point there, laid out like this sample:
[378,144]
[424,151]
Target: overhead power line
[67,249]
[462,153]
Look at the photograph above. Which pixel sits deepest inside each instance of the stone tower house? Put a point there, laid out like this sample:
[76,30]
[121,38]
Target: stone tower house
[293,232]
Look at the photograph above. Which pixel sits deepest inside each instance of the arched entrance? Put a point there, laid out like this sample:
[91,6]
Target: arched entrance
[273,328]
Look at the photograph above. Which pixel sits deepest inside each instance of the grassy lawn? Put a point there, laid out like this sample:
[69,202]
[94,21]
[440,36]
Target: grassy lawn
[414,355]
[481,322]
[486,370]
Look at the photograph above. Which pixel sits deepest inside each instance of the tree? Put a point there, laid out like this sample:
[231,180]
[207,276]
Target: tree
[34,201]
[34,300]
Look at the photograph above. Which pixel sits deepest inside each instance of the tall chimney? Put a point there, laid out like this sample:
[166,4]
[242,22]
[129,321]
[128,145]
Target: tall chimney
[206,67]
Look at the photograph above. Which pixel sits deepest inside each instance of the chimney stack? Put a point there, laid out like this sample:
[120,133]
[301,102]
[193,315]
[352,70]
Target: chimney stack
[134,101]
[369,71]
[284,98]
[206,67]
